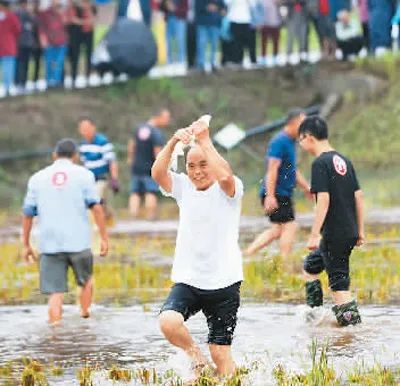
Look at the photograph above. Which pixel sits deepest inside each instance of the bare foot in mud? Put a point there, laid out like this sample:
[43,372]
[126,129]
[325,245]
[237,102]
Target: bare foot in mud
[85,315]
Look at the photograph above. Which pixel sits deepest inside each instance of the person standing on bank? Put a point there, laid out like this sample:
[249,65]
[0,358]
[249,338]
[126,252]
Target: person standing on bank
[339,218]
[26,43]
[97,154]
[278,185]
[64,230]
[143,148]
[207,269]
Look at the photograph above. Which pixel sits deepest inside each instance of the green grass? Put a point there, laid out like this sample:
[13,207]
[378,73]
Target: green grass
[130,274]
[320,373]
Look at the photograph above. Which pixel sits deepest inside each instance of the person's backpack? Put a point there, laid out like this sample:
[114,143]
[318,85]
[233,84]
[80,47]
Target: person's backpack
[312,8]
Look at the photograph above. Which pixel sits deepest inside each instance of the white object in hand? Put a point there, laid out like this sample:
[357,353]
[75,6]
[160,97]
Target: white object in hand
[179,147]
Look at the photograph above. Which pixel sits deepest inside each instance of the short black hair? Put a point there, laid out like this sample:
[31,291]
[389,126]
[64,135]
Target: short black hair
[315,126]
[87,118]
[294,113]
[160,111]
[66,148]
[5,3]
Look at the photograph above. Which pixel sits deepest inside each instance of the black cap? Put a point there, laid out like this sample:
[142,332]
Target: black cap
[294,113]
[66,148]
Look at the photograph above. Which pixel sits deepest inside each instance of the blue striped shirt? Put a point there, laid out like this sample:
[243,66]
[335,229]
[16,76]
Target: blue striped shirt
[97,155]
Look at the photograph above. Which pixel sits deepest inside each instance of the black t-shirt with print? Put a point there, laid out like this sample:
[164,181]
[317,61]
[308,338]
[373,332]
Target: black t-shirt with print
[333,173]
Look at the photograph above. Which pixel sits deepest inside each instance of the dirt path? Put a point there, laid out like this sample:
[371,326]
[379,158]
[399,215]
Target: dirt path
[388,216]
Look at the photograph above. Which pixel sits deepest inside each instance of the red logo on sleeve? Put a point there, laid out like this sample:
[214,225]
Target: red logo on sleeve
[340,165]
[59,179]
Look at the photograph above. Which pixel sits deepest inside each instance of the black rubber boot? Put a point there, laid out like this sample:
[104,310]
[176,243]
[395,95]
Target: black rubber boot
[314,295]
[347,314]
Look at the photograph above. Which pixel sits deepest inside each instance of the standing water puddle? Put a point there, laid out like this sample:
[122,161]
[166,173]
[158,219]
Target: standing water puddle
[267,334]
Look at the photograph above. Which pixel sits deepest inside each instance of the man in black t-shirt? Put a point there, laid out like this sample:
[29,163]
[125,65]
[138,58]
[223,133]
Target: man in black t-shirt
[339,219]
[143,147]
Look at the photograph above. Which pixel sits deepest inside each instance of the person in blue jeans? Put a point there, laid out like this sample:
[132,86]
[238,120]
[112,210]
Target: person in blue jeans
[381,13]
[208,20]
[10,29]
[53,39]
[176,19]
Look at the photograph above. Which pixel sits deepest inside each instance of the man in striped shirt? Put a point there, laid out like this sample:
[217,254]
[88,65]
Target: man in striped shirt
[97,155]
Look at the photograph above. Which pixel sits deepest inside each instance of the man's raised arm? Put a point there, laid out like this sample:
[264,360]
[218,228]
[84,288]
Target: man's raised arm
[159,170]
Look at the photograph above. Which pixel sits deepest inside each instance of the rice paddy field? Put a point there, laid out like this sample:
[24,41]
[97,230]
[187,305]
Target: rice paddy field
[274,345]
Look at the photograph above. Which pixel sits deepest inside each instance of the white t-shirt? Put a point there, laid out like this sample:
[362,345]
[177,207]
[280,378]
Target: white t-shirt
[207,254]
[239,11]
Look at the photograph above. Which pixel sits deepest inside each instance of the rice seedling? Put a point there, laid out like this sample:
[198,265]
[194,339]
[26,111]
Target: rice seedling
[84,375]
[33,374]
[55,370]
[146,376]
[119,374]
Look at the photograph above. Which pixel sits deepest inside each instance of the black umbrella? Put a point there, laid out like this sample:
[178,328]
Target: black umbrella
[128,47]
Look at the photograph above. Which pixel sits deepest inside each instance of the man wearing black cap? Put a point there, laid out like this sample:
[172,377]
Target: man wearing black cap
[278,185]
[60,195]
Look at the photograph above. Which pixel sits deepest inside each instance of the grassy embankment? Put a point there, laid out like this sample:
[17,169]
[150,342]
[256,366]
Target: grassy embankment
[364,129]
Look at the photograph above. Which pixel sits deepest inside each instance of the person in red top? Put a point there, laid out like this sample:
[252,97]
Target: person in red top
[10,28]
[326,28]
[88,23]
[53,39]
[176,18]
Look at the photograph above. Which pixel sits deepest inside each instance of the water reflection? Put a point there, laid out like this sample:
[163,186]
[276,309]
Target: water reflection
[269,334]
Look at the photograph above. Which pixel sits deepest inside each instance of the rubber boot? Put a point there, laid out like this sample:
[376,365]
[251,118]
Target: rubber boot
[347,314]
[314,295]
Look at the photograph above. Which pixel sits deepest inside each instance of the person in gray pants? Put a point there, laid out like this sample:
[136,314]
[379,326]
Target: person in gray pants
[296,25]
[60,195]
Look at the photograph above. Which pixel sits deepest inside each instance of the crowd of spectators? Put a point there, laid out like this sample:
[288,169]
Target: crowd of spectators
[196,31]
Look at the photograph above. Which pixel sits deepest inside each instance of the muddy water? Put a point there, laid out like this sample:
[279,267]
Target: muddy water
[268,334]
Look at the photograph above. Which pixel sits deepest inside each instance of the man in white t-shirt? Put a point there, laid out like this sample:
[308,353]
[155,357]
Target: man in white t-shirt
[207,269]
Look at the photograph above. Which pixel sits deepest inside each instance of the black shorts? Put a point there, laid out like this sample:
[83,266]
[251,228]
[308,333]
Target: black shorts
[284,213]
[219,307]
[333,257]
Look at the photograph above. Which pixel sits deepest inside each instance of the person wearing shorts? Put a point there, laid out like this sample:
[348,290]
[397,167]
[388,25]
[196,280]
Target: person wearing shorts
[339,218]
[64,230]
[277,188]
[97,155]
[143,147]
[207,270]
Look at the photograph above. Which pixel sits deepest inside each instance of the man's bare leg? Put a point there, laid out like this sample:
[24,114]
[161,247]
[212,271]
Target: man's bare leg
[55,307]
[264,239]
[288,236]
[173,327]
[150,203]
[222,357]
[134,204]
[85,298]
[341,297]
